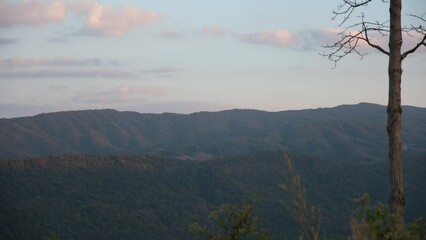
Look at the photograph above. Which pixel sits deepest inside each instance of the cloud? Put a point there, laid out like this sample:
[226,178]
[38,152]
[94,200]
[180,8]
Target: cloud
[279,38]
[161,70]
[212,30]
[170,34]
[66,73]
[119,95]
[103,20]
[315,38]
[100,20]
[32,12]
[57,62]
[64,38]
[215,30]
[7,41]
[126,91]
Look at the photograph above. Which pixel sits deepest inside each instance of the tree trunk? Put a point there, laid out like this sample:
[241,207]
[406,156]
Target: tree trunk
[396,197]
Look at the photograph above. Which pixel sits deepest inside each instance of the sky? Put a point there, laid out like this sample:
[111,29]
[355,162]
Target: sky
[184,56]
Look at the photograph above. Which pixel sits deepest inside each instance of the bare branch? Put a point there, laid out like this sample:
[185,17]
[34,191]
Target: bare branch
[423,18]
[346,9]
[422,42]
[366,39]
[350,41]
[419,29]
[347,44]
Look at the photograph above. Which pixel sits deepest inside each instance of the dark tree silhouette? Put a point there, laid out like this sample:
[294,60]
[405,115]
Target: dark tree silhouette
[363,31]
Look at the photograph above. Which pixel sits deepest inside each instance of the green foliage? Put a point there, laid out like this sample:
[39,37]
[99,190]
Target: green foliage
[376,223]
[233,222]
[53,237]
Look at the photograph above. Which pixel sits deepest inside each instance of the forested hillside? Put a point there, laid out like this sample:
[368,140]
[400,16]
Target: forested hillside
[136,197]
[346,132]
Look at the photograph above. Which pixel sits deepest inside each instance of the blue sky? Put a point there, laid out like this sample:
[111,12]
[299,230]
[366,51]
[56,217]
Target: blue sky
[188,55]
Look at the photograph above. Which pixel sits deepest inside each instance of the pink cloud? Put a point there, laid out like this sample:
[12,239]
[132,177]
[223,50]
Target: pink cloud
[279,38]
[32,12]
[103,20]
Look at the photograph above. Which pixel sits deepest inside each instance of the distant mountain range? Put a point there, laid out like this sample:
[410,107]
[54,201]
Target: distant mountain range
[343,132]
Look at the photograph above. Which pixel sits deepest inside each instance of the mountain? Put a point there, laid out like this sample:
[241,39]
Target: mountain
[343,132]
[104,174]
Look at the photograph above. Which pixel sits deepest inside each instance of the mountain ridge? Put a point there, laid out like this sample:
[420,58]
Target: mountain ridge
[346,131]
[204,111]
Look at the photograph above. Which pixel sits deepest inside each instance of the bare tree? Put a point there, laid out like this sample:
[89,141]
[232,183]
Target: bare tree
[363,32]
